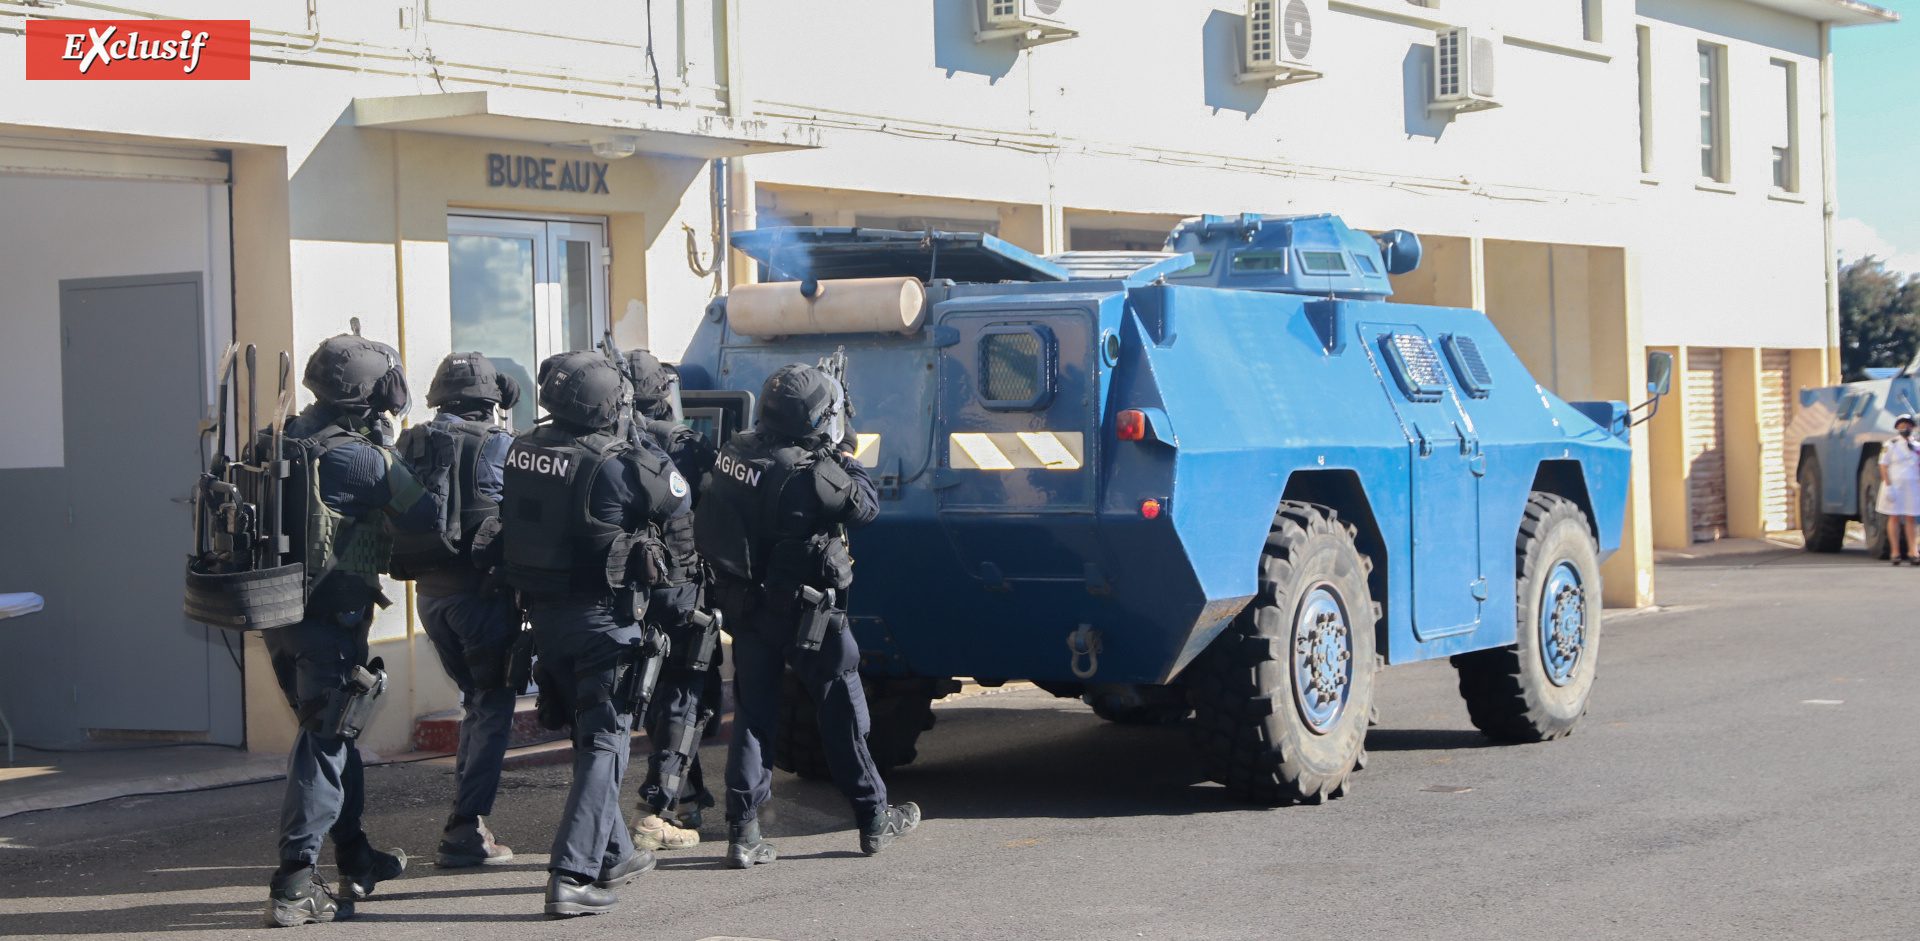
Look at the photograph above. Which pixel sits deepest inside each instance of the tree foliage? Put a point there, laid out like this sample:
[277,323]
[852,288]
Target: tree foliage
[1879,317]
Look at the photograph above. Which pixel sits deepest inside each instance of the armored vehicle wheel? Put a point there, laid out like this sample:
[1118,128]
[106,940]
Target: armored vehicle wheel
[1536,689]
[1819,532]
[898,719]
[1873,526]
[1137,704]
[1282,696]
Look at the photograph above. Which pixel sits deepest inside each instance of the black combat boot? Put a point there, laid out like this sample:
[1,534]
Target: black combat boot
[570,894]
[745,849]
[362,867]
[890,824]
[299,897]
[638,863]
[466,841]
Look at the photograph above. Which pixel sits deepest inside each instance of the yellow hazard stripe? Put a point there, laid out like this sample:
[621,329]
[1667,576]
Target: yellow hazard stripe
[1020,450]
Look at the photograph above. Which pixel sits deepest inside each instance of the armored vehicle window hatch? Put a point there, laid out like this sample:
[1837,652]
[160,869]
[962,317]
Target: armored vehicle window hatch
[1415,366]
[1259,261]
[1131,267]
[1468,365]
[800,253]
[1323,263]
[1016,366]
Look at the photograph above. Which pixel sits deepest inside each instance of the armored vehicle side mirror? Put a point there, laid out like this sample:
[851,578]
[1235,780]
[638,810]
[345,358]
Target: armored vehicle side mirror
[1659,383]
[1659,372]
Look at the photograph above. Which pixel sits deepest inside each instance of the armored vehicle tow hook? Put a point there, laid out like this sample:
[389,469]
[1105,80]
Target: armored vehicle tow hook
[1084,642]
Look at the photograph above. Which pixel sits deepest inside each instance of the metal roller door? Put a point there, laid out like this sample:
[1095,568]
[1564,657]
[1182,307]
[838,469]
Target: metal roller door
[1706,444]
[1776,409]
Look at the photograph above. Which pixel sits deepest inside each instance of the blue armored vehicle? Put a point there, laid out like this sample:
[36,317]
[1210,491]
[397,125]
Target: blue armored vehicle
[1228,480]
[1841,429]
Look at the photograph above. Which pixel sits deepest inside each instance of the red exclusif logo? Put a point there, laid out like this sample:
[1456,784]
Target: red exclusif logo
[109,50]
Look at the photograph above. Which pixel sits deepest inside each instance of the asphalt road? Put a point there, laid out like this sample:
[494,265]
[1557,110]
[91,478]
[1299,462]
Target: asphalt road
[1744,772]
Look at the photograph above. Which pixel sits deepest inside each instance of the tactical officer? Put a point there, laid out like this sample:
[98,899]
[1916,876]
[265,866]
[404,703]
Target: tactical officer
[473,627]
[321,661]
[579,511]
[770,511]
[688,695]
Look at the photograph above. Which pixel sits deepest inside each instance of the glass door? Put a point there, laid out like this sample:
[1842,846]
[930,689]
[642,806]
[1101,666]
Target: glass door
[524,289]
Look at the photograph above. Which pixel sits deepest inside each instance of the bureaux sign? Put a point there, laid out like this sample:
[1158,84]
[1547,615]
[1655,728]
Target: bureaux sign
[109,50]
[547,173]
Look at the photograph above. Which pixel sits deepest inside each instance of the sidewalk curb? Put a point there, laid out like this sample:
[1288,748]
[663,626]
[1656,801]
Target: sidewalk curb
[266,768]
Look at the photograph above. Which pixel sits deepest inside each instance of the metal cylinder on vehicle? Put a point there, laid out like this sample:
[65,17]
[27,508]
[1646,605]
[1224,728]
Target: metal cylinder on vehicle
[850,305]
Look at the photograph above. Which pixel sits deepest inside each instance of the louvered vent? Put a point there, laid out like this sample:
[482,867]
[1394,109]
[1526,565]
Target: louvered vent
[1259,33]
[1464,355]
[1448,65]
[1415,365]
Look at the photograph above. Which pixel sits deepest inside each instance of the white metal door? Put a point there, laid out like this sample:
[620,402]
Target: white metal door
[523,289]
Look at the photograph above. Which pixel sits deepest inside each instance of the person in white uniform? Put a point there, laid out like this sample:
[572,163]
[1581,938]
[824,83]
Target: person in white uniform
[1900,490]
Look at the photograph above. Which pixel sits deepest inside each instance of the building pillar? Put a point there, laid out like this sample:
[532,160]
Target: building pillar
[263,315]
[1740,400]
[1616,368]
[1030,227]
[1667,462]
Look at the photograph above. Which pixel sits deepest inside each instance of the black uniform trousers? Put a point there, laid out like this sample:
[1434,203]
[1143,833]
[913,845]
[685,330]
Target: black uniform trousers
[325,784]
[464,626]
[762,650]
[580,646]
[674,701]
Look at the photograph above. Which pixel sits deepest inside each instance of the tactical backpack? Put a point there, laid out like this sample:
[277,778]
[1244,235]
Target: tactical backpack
[266,542]
[447,547]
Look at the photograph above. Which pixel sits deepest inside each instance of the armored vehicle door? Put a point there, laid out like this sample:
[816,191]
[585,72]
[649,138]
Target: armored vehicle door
[1016,415]
[1445,467]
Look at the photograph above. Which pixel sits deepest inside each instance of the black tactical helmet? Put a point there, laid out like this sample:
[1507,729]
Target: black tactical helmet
[650,383]
[795,401]
[354,373]
[584,388]
[471,377]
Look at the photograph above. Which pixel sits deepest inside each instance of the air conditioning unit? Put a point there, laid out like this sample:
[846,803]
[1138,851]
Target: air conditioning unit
[1462,70]
[1028,22]
[1276,42]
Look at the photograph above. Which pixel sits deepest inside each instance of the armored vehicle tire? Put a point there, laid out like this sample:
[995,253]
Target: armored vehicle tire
[1536,689]
[897,721]
[1283,695]
[1873,526]
[1819,532]
[1137,704]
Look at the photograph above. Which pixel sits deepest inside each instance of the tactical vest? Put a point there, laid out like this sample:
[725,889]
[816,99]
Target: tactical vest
[736,528]
[445,551]
[692,457]
[329,541]
[554,543]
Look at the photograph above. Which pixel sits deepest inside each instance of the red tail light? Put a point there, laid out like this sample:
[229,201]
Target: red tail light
[1150,509]
[1130,425]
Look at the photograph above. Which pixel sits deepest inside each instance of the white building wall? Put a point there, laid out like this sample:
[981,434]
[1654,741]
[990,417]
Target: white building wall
[1739,263]
[57,229]
[1140,114]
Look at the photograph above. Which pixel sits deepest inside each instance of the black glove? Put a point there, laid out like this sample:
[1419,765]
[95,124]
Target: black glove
[509,390]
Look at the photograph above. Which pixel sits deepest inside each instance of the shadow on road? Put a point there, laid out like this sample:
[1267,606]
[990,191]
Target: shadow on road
[1379,739]
[200,914]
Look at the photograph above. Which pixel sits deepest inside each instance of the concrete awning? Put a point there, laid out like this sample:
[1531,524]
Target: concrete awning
[1837,12]
[509,115]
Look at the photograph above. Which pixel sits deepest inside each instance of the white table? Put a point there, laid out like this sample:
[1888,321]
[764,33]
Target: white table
[13,606]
